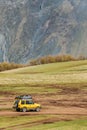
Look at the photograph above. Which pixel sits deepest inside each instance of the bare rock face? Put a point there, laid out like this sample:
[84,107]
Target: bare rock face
[35,28]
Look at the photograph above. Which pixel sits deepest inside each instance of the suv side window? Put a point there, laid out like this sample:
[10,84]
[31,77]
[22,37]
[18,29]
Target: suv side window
[31,102]
[22,102]
[27,102]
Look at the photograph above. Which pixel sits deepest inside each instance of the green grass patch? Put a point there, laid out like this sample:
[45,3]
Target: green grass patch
[52,68]
[70,125]
[55,73]
[28,123]
[27,88]
[19,120]
[40,88]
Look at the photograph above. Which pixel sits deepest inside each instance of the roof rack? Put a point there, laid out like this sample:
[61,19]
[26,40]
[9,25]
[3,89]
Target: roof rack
[23,97]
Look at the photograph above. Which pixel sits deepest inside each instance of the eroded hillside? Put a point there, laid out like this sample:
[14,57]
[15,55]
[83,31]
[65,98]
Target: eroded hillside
[34,28]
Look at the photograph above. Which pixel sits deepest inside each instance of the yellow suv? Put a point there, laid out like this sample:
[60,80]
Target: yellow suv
[25,103]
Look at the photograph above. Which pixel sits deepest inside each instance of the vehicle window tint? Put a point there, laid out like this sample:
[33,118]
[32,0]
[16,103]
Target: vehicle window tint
[22,102]
[27,102]
[31,102]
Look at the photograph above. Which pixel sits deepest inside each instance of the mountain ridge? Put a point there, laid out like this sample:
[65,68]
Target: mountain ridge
[35,28]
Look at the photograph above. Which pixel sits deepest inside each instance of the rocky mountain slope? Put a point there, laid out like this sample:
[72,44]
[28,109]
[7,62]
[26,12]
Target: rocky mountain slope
[34,28]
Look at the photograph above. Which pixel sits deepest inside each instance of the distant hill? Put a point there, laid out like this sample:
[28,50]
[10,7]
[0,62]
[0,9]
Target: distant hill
[34,28]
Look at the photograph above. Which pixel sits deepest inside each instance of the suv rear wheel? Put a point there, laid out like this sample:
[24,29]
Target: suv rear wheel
[24,109]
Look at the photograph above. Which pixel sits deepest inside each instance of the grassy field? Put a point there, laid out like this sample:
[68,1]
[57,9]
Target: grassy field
[66,81]
[71,125]
[41,76]
[38,123]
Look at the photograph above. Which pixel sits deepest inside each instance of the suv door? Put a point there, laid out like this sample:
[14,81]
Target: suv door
[30,105]
[23,103]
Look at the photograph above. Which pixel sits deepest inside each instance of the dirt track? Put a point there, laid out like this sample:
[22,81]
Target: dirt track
[68,102]
[51,111]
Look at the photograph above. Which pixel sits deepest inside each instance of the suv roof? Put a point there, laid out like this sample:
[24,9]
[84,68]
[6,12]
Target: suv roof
[23,97]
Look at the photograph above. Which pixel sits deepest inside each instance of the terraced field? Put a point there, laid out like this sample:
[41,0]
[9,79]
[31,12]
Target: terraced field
[61,89]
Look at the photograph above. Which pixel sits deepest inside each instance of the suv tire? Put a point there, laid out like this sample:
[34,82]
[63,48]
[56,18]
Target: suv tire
[24,109]
[37,109]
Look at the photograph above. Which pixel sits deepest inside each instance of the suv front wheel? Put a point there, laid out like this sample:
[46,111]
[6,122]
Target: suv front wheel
[37,109]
